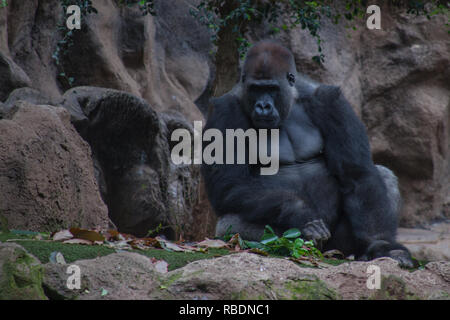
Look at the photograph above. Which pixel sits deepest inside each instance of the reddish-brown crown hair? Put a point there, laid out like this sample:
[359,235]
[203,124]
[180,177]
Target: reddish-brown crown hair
[267,60]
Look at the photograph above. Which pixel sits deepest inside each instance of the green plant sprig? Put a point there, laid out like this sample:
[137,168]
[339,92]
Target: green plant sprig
[289,244]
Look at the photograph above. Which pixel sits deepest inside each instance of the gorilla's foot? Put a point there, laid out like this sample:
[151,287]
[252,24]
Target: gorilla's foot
[382,248]
[316,231]
[403,257]
[248,231]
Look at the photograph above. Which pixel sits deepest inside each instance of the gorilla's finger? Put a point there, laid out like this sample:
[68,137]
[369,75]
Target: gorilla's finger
[317,230]
[324,230]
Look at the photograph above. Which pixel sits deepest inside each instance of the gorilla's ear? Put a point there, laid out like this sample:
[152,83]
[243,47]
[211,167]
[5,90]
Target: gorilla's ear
[291,78]
[327,93]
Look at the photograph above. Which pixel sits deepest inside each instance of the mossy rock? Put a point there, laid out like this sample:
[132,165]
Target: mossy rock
[307,289]
[21,274]
[393,288]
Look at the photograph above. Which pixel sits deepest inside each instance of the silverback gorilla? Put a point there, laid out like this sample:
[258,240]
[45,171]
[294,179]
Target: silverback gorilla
[327,185]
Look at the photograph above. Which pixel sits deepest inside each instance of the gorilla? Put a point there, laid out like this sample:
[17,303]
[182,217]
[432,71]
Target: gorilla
[327,185]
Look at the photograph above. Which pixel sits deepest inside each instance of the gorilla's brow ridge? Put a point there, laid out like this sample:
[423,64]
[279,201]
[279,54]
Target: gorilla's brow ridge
[268,60]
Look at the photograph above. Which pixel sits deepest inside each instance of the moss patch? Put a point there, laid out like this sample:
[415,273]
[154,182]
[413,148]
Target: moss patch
[393,288]
[73,252]
[307,289]
[22,277]
[180,259]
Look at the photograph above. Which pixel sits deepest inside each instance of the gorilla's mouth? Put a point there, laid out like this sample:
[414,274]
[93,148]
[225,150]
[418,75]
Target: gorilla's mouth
[265,122]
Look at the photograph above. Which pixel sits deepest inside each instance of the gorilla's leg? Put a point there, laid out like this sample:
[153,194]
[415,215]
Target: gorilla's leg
[304,197]
[294,213]
[384,243]
[393,249]
[391,182]
[247,230]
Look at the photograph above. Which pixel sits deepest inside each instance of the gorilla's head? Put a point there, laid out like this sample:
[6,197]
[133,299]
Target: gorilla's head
[268,84]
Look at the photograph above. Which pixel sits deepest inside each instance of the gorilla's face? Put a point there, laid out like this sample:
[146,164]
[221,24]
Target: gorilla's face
[268,101]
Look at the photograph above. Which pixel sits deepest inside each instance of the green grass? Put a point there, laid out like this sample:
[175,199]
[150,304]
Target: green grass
[72,252]
[17,234]
[335,262]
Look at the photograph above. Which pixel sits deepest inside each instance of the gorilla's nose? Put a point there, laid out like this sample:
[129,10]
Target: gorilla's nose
[263,108]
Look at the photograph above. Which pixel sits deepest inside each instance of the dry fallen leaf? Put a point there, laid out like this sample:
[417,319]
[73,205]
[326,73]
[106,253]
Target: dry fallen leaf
[62,235]
[119,245]
[336,254]
[87,234]
[210,243]
[172,246]
[258,251]
[111,235]
[78,241]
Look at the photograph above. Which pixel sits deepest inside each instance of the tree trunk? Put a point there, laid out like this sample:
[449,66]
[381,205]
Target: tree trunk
[227,56]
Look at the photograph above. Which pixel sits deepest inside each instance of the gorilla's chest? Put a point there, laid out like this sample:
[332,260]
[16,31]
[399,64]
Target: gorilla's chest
[300,140]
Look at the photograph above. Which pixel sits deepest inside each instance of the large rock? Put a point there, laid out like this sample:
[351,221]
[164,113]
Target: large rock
[163,59]
[125,276]
[46,172]
[131,146]
[397,80]
[12,77]
[406,109]
[271,278]
[244,276]
[26,94]
[21,274]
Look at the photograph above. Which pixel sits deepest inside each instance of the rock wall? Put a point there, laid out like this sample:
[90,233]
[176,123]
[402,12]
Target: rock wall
[398,81]
[397,78]
[46,173]
[163,59]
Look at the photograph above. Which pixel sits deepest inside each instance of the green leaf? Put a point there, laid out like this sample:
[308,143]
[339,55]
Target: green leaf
[292,233]
[254,245]
[268,229]
[299,242]
[269,238]
[269,235]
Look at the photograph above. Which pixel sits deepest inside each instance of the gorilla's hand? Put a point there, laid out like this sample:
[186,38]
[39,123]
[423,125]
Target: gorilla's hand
[316,231]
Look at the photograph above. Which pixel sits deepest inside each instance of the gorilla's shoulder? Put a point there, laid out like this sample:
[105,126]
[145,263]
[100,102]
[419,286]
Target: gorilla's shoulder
[327,93]
[225,103]
[226,112]
[322,96]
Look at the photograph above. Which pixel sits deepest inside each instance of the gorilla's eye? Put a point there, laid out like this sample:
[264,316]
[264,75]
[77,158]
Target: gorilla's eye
[291,78]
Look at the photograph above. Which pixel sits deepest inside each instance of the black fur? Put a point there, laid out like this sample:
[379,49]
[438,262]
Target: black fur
[365,203]
[341,199]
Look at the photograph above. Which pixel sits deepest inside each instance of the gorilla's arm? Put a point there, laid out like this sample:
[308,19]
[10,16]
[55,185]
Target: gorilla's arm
[347,153]
[233,189]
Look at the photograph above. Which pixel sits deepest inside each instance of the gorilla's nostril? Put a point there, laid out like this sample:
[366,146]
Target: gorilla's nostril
[267,106]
